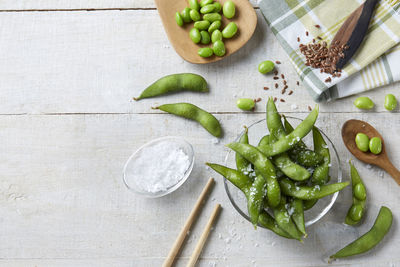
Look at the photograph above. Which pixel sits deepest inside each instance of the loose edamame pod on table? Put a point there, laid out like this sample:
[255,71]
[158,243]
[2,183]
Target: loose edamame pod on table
[192,112]
[229,9]
[390,102]
[175,83]
[266,66]
[363,102]
[375,145]
[205,52]
[219,48]
[245,103]
[230,30]
[370,239]
[362,142]
[357,209]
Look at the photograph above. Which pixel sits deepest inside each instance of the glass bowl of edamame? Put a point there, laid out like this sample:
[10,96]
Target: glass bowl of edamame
[258,130]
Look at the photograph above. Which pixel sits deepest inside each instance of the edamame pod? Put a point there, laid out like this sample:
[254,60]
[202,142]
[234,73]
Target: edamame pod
[267,221]
[237,178]
[264,166]
[296,205]
[243,164]
[357,208]
[175,83]
[192,112]
[284,220]
[309,192]
[289,141]
[370,239]
[321,172]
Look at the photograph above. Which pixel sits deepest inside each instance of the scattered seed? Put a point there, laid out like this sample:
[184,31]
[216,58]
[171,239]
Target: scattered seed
[276,78]
[286,87]
[319,37]
[282,100]
[309,108]
[290,92]
[258,99]
[266,88]
[278,62]
[328,80]
[298,83]
[283,76]
[298,39]
[317,26]
[275,99]
[306,33]
[283,91]
[275,72]
[276,85]
[284,82]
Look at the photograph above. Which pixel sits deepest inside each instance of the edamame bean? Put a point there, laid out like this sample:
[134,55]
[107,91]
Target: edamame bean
[362,142]
[230,30]
[229,9]
[390,102]
[179,19]
[193,4]
[370,239]
[205,52]
[192,112]
[375,145]
[214,26]
[202,25]
[218,6]
[207,9]
[211,17]
[205,2]
[186,15]
[174,83]
[195,15]
[245,103]
[357,208]
[363,102]
[205,37]
[195,35]
[216,36]
[266,66]
[219,48]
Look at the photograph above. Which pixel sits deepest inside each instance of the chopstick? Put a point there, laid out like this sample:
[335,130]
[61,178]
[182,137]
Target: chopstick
[182,235]
[203,237]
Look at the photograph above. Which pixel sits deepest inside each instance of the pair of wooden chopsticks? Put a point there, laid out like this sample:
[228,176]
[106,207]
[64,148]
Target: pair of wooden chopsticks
[192,217]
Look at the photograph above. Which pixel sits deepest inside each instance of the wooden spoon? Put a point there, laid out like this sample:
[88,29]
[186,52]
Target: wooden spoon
[349,131]
[245,18]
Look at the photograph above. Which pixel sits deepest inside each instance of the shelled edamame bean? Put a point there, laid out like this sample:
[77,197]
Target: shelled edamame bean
[246,104]
[207,22]
[363,102]
[390,102]
[362,142]
[266,66]
[375,145]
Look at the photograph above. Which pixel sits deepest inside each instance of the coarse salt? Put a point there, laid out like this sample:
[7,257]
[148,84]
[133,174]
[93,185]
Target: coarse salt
[157,167]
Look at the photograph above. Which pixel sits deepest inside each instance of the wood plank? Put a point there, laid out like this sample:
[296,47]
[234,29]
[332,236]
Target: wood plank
[63,202]
[85,4]
[95,62]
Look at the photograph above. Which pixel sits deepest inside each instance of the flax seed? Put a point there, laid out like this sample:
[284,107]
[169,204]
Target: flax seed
[309,108]
[266,88]
[317,26]
[328,80]
[283,91]
[278,62]
[298,39]
[298,83]
[319,37]
[290,92]
[276,85]
[284,82]
[275,72]
[276,78]
[275,99]
[282,100]
[306,33]
[283,76]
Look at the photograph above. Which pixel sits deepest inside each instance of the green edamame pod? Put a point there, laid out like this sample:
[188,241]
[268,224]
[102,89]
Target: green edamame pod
[243,164]
[267,221]
[308,204]
[309,192]
[202,25]
[229,9]
[282,161]
[211,17]
[215,26]
[205,2]
[193,4]
[357,208]
[205,37]
[216,36]
[179,19]
[264,166]
[321,173]
[298,214]
[207,9]
[287,142]
[195,15]
[205,52]
[175,83]
[195,35]
[192,112]
[230,30]
[370,239]
[284,220]
[219,48]
[186,15]
[254,191]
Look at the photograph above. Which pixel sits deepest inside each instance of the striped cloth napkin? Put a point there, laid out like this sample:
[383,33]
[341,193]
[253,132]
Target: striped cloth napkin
[375,64]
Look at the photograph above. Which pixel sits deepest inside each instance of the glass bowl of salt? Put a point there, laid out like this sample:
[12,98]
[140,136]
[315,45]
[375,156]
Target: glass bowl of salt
[159,167]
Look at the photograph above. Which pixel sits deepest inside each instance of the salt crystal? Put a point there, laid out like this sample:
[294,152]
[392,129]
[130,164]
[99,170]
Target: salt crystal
[219,236]
[215,141]
[157,167]
[294,107]
[368,166]
[228,240]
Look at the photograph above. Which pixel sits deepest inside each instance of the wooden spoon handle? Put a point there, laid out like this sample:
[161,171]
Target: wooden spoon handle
[392,170]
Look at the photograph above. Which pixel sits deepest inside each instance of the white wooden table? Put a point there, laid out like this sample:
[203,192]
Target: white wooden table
[68,71]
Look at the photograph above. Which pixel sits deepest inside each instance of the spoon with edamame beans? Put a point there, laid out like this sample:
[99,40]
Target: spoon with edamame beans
[349,131]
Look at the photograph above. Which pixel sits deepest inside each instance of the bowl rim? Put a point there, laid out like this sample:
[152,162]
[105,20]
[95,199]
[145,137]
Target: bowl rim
[172,188]
[322,213]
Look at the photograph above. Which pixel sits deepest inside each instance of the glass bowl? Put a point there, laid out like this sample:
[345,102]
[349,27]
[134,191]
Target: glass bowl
[129,166]
[256,131]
